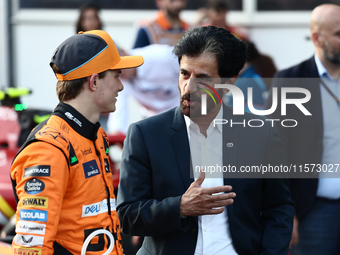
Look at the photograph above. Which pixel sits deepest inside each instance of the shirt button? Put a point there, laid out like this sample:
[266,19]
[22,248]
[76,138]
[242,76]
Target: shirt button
[230,145]
[205,229]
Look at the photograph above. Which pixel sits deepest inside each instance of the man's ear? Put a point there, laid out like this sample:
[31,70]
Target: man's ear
[315,37]
[93,79]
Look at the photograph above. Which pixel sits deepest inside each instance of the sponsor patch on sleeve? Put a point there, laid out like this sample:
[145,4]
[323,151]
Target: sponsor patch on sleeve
[39,170]
[41,202]
[28,240]
[34,186]
[33,215]
[30,228]
[91,169]
[26,251]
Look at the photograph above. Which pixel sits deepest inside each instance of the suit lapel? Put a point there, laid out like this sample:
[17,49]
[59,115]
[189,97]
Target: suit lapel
[180,143]
[229,150]
[314,88]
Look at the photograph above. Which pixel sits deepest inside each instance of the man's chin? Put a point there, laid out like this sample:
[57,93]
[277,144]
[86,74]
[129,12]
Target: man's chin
[191,112]
[185,110]
[333,58]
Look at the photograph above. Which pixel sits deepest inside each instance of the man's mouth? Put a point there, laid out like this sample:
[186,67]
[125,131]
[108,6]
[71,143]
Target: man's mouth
[189,103]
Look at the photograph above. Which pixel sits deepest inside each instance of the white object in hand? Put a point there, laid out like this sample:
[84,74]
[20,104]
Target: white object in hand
[93,234]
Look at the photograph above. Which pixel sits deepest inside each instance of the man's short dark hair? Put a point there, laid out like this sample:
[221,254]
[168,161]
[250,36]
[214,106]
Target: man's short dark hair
[230,51]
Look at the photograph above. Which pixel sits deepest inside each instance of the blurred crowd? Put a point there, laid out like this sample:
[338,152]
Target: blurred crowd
[154,90]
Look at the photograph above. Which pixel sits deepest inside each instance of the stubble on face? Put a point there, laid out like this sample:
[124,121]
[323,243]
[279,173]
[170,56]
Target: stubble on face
[191,103]
[330,55]
[197,74]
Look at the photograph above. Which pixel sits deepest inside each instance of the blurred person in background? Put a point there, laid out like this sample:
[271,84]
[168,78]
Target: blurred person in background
[153,87]
[251,76]
[316,139]
[166,27]
[215,14]
[89,18]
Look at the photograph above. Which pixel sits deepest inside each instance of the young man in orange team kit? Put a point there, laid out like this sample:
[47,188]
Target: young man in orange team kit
[61,176]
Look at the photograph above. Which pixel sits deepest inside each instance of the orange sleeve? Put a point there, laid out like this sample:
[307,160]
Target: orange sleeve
[41,173]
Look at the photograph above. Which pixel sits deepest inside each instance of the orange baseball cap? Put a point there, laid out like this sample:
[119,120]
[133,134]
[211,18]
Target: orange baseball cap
[90,52]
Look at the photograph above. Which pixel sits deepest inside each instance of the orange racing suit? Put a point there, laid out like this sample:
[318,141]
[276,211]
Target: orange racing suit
[64,187]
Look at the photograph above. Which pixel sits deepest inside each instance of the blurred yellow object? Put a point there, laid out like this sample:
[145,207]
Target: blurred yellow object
[38,119]
[14,92]
[17,92]
[5,208]
[6,249]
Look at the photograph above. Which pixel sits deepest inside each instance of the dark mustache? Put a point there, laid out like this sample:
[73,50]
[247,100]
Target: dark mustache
[190,97]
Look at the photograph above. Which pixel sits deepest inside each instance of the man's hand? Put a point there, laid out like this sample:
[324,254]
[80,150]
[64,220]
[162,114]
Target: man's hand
[295,233]
[197,201]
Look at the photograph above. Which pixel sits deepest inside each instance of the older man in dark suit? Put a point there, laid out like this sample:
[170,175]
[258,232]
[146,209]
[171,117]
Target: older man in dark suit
[180,213]
[315,141]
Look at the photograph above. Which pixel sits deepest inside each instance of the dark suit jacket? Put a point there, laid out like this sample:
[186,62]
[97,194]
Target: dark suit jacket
[303,143]
[155,173]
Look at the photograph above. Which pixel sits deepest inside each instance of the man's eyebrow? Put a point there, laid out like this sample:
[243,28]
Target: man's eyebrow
[200,75]
[203,75]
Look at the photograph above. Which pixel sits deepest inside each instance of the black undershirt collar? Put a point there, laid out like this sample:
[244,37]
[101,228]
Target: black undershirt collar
[77,121]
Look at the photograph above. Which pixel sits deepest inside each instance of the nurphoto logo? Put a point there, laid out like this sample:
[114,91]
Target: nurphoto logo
[239,105]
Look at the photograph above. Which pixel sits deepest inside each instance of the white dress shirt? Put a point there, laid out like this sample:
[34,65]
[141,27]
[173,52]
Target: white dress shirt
[329,187]
[213,230]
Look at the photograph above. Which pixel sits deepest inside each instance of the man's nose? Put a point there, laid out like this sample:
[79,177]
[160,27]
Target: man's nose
[121,86]
[191,86]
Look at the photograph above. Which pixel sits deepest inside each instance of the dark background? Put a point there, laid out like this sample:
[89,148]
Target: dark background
[262,5]
[117,4]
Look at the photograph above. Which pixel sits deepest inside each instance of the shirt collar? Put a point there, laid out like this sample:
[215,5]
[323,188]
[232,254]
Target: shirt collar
[219,116]
[321,69]
[77,121]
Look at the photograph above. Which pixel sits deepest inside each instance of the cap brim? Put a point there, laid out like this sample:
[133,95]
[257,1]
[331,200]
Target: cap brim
[129,62]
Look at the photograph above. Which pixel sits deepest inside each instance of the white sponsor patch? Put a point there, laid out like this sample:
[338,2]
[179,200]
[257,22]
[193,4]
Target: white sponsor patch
[30,228]
[98,208]
[28,240]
